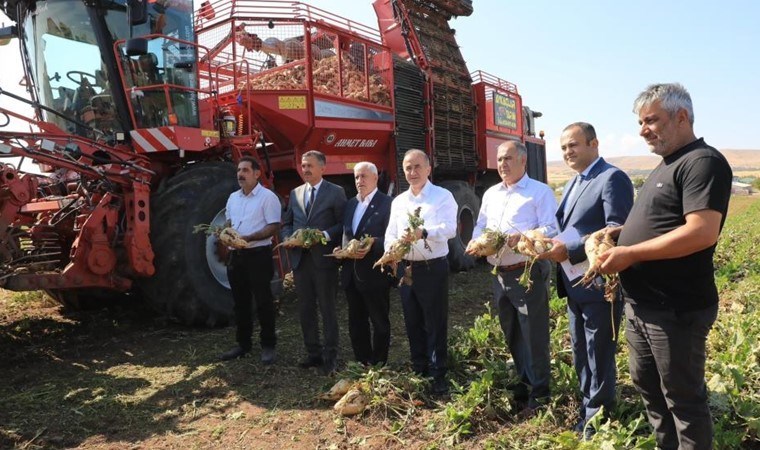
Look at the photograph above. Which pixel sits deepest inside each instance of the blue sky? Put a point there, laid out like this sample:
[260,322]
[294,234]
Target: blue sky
[587,60]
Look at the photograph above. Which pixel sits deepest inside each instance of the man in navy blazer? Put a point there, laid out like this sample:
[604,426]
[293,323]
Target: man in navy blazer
[316,204]
[367,289]
[600,196]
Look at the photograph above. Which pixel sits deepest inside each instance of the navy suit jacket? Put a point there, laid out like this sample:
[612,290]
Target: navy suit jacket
[605,199]
[374,222]
[326,214]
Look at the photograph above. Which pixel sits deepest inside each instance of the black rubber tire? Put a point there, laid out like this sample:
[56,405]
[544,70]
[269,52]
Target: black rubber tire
[467,216]
[183,287]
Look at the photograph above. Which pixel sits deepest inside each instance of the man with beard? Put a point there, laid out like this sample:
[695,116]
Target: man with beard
[665,260]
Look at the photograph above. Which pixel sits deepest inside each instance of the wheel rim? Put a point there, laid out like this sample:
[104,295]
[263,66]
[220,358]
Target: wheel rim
[217,268]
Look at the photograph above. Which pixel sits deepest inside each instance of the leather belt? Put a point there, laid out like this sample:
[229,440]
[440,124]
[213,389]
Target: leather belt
[425,261]
[250,250]
[511,267]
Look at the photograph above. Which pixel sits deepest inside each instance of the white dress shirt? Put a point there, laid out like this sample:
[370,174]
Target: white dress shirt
[361,207]
[524,206]
[250,213]
[439,211]
[307,193]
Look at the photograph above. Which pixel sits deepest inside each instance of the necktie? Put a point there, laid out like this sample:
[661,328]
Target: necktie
[311,200]
[574,190]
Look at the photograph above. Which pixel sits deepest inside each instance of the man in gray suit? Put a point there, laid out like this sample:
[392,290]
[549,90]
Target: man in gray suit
[600,196]
[316,204]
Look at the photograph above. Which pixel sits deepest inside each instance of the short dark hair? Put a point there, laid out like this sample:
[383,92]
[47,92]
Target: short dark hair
[254,163]
[587,128]
[316,154]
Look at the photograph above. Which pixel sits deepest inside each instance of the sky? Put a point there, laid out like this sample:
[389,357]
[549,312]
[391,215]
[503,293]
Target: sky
[587,60]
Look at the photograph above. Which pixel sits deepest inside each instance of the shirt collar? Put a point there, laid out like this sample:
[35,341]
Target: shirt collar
[585,173]
[316,186]
[423,192]
[369,197]
[253,192]
[685,149]
[519,185]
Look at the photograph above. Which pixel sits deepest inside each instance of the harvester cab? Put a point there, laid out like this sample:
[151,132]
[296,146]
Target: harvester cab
[85,78]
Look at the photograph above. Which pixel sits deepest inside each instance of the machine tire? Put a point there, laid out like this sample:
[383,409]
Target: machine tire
[467,215]
[183,286]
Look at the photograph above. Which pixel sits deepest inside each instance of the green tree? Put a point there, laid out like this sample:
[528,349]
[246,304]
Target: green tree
[637,182]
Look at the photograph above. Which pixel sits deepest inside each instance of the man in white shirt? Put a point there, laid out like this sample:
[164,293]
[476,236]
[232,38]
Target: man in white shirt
[367,288]
[254,212]
[516,205]
[426,301]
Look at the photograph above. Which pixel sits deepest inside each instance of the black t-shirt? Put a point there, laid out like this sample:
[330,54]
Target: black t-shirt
[694,178]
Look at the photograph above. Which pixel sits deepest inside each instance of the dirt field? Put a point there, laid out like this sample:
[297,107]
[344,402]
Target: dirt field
[120,378]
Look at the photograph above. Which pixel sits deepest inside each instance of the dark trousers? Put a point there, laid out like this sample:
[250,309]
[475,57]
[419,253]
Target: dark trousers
[666,356]
[426,315]
[367,307]
[524,319]
[250,272]
[591,331]
[316,289]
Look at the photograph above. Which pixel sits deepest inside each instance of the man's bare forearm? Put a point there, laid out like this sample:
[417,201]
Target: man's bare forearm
[266,232]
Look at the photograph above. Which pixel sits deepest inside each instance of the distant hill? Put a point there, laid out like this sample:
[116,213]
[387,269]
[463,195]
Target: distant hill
[740,161]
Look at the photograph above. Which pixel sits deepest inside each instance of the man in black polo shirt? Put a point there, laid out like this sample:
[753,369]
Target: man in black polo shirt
[665,259]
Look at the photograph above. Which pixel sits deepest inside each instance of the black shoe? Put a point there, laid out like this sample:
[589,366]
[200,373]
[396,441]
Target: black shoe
[520,393]
[235,353]
[268,355]
[440,386]
[528,412]
[328,368]
[422,372]
[311,361]
[585,431]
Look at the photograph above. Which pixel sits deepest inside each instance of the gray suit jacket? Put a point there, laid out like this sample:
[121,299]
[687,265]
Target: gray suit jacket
[326,214]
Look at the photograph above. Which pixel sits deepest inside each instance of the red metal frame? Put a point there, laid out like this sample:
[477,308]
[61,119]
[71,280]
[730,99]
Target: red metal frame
[489,134]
